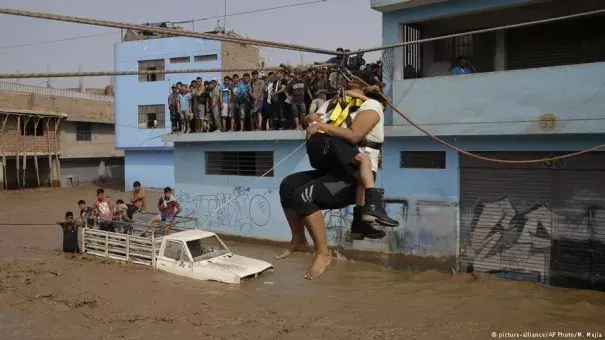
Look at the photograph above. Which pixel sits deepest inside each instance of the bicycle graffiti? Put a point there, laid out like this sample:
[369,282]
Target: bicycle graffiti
[241,210]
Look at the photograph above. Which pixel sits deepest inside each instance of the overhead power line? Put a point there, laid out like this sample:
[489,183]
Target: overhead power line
[251,11]
[58,40]
[169,31]
[174,22]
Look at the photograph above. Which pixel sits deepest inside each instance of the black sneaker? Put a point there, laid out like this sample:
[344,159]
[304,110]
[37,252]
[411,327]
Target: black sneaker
[374,207]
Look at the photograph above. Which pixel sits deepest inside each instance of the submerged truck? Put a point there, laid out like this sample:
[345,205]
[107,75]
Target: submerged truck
[197,254]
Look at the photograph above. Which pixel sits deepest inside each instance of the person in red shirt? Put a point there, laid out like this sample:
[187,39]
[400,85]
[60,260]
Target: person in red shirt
[103,208]
[169,208]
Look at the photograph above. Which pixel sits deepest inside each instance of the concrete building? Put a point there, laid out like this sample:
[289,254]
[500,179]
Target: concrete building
[141,100]
[537,94]
[86,148]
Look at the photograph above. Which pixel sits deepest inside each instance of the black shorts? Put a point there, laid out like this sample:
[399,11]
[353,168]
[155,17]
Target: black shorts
[332,154]
[107,226]
[310,191]
[131,210]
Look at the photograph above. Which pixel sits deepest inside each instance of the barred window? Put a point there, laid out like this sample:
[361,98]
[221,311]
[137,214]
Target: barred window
[240,163]
[151,65]
[423,159]
[84,132]
[150,113]
[448,49]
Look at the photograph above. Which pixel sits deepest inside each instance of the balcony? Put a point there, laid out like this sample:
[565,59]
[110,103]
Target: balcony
[505,103]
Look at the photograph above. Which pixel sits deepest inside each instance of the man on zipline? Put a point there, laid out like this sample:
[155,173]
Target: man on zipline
[334,185]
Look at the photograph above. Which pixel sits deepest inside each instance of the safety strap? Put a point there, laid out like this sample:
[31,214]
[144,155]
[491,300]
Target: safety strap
[369,144]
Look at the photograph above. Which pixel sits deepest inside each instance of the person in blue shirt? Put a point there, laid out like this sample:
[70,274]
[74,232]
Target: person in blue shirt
[184,107]
[337,59]
[243,99]
[225,90]
[463,66]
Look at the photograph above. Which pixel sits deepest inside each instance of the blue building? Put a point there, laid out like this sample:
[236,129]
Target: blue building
[139,101]
[538,92]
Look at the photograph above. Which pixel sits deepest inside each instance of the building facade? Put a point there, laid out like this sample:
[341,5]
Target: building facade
[532,98]
[86,148]
[142,100]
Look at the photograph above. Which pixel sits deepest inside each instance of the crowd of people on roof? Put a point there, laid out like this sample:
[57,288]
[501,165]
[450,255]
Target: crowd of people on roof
[257,101]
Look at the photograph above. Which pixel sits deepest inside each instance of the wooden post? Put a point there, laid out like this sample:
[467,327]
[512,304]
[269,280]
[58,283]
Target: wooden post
[84,238]
[2,133]
[50,161]
[107,244]
[19,131]
[57,144]
[25,152]
[36,150]
[127,248]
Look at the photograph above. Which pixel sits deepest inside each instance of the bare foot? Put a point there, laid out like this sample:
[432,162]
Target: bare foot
[292,249]
[319,265]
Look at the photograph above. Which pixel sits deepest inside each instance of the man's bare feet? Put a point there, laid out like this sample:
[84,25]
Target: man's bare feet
[292,249]
[319,265]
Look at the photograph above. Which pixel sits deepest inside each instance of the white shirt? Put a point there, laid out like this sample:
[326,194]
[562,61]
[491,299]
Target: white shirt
[376,134]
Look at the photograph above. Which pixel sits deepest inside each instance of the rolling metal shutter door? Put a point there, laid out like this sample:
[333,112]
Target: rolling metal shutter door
[539,222]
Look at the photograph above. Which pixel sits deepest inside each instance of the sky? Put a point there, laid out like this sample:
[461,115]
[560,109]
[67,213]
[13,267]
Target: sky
[309,25]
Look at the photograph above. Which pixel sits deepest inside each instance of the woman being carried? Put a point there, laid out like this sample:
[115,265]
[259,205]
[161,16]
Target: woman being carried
[332,185]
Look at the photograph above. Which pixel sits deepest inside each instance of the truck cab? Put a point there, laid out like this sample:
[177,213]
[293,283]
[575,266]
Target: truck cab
[202,255]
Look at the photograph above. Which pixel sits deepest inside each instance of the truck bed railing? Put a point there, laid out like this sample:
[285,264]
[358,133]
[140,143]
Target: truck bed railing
[121,247]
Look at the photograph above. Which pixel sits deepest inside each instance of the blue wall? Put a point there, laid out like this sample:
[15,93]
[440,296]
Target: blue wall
[154,169]
[425,201]
[130,92]
[147,158]
[510,102]
[257,213]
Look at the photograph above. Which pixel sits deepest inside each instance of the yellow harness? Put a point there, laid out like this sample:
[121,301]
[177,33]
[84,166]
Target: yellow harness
[342,110]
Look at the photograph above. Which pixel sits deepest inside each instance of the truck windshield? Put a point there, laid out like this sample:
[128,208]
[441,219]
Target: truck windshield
[206,248]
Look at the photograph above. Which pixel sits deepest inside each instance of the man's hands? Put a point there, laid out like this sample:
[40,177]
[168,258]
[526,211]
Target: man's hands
[312,129]
[314,118]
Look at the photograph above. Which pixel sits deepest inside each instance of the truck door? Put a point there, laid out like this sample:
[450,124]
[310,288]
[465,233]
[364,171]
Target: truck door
[175,259]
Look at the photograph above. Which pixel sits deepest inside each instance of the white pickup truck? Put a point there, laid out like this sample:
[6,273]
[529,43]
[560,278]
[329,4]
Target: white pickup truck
[197,254]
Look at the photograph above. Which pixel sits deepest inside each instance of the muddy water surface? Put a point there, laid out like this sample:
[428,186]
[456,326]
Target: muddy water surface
[45,294]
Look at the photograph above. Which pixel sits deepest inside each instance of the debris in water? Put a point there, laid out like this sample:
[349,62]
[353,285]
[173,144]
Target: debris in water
[268,282]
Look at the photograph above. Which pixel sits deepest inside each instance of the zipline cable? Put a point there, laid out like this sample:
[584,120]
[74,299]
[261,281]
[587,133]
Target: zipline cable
[470,154]
[486,30]
[167,31]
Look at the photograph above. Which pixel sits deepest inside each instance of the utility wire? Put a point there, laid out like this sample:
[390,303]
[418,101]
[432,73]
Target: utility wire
[174,22]
[491,29]
[251,11]
[58,40]
[167,31]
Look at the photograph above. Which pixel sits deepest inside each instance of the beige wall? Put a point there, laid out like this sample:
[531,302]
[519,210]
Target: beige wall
[101,145]
[85,109]
[235,55]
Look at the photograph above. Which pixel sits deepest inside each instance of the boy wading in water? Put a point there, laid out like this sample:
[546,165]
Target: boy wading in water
[70,233]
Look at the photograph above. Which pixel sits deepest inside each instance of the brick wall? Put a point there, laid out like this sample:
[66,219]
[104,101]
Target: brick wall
[77,109]
[13,143]
[236,55]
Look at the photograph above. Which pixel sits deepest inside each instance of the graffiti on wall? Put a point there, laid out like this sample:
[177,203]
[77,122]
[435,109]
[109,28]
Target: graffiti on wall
[241,210]
[503,239]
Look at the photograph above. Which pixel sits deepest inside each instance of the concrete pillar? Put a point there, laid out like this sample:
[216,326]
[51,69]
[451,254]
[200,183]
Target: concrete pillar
[55,176]
[500,61]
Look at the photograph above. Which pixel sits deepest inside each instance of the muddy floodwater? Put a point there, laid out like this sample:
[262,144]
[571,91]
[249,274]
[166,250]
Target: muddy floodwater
[45,294]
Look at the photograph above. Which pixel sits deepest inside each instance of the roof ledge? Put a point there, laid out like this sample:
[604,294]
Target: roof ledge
[395,5]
